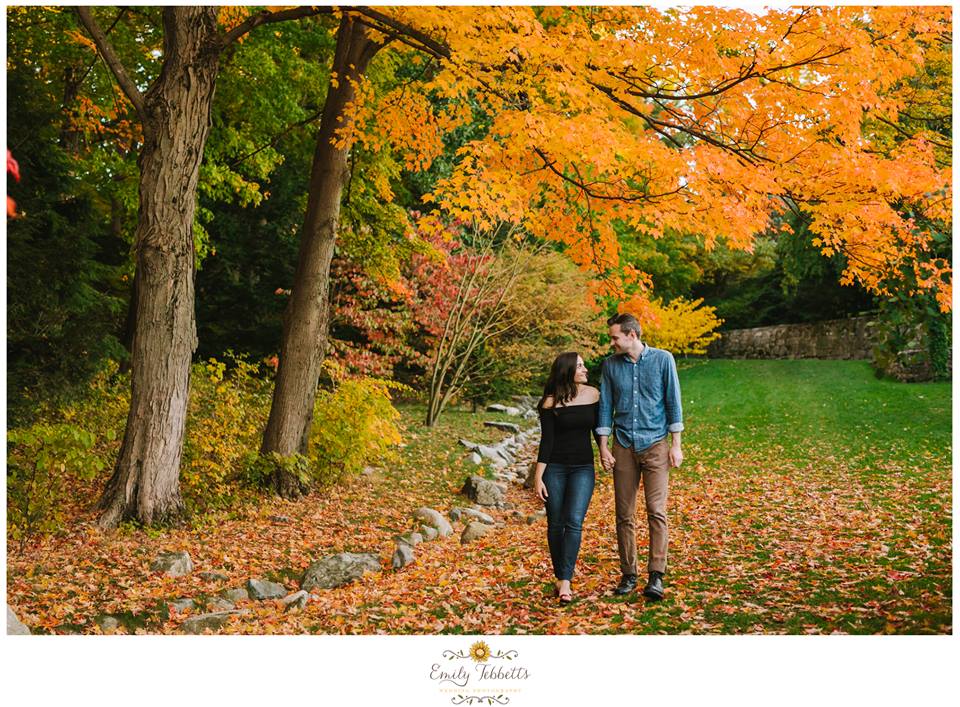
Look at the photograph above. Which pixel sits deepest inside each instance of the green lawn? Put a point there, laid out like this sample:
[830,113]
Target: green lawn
[787,406]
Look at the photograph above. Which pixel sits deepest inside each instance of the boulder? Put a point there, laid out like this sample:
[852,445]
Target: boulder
[106,622]
[402,556]
[261,589]
[182,604]
[338,570]
[475,458]
[531,475]
[235,594]
[297,600]
[482,491]
[473,531]
[220,604]
[508,426]
[173,564]
[534,517]
[15,627]
[433,518]
[213,621]
[476,514]
[497,407]
[429,533]
[213,577]
[410,538]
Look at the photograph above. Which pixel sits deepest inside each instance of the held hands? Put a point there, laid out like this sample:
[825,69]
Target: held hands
[607,459]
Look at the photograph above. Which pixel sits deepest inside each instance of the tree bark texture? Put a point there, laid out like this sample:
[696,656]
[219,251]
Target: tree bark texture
[306,318]
[176,123]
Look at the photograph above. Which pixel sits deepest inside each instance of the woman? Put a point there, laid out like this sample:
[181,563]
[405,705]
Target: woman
[564,477]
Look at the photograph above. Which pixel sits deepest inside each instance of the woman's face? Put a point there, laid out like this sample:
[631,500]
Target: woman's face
[580,376]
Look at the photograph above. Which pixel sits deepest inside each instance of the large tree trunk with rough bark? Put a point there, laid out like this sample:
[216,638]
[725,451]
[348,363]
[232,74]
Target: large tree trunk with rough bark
[176,122]
[306,319]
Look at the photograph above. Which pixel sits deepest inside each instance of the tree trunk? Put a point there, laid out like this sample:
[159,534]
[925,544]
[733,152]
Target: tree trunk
[306,319]
[146,479]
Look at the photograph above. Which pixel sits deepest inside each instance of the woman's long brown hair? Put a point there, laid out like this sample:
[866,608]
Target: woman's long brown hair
[560,384]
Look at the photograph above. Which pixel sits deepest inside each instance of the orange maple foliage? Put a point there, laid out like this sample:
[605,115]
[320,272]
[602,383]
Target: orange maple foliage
[704,120]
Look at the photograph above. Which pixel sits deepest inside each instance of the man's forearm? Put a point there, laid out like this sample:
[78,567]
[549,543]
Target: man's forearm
[676,439]
[602,441]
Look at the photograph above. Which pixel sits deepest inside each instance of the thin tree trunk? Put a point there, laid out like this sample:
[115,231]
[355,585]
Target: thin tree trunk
[176,122]
[306,319]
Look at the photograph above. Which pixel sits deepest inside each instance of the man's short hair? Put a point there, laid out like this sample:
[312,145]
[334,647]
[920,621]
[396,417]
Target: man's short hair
[627,323]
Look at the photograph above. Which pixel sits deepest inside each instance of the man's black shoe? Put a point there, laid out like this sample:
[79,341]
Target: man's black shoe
[627,584]
[654,588]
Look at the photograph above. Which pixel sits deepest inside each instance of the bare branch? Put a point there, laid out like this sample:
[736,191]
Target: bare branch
[106,50]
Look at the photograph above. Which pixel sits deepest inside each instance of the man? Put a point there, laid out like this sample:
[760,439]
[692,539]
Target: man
[640,404]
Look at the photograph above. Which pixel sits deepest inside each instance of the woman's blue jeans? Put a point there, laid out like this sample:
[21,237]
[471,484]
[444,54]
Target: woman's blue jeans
[569,489]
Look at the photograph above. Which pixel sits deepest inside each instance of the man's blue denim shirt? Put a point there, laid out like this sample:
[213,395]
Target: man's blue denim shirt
[639,400]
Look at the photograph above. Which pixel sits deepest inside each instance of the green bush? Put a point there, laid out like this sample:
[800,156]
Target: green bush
[41,460]
[354,424]
[226,415]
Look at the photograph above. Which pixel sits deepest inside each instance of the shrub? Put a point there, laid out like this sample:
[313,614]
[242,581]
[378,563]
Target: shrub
[40,461]
[353,425]
[225,417]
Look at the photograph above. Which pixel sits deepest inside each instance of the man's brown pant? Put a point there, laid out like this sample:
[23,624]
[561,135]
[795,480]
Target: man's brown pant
[654,466]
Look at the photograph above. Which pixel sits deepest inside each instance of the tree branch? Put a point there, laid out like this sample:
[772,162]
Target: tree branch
[266,17]
[106,50]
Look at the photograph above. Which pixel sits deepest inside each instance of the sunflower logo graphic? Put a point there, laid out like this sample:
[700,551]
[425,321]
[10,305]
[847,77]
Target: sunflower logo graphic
[480,651]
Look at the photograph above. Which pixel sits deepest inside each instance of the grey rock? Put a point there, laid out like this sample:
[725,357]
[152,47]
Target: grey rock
[473,531]
[281,519]
[497,407]
[516,412]
[484,492]
[214,577]
[410,538]
[337,570]
[534,517]
[455,513]
[261,589]
[173,564]
[531,415]
[531,475]
[235,594]
[508,426]
[15,627]
[475,514]
[297,600]
[106,622]
[220,604]
[429,533]
[475,458]
[212,621]
[434,519]
[402,556]
[182,604]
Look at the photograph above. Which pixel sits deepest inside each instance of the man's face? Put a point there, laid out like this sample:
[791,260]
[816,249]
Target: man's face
[621,341]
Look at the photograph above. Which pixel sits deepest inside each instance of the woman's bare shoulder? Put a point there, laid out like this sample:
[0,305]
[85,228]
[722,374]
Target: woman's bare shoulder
[593,395]
[548,402]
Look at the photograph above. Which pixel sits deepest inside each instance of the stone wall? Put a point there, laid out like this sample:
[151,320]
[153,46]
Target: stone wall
[837,339]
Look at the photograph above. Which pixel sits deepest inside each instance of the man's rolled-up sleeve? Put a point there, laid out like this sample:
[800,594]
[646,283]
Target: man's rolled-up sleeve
[671,396]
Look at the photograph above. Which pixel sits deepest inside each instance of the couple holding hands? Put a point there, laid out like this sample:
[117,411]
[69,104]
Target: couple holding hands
[638,404]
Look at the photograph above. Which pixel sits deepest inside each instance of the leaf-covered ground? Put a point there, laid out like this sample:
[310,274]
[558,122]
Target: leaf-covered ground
[813,499]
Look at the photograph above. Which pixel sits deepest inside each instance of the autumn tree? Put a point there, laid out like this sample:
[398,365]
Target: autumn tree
[174,116]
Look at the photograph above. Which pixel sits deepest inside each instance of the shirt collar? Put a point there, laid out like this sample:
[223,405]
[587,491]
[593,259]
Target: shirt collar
[643,352]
